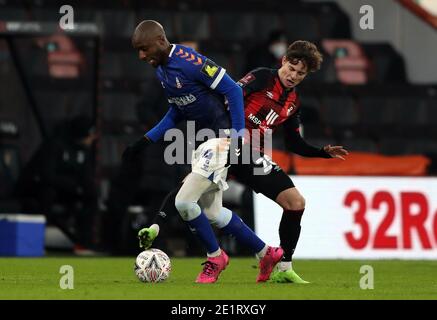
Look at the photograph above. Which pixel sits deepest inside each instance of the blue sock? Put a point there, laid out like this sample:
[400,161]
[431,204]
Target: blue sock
[244,235]
[200,226]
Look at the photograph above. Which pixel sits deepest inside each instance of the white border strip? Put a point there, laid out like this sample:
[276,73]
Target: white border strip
[23,218]
[219,77]
[172,49]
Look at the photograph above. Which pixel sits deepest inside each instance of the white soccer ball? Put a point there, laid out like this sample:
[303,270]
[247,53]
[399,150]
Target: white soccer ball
[152,265]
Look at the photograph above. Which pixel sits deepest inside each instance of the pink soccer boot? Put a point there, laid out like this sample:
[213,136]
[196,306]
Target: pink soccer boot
[212,268]
[268,262]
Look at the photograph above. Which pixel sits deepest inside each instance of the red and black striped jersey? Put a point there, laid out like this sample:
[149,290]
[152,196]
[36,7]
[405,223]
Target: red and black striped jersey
[267,103]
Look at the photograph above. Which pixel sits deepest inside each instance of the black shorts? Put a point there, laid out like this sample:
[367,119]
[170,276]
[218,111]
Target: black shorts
[263,176]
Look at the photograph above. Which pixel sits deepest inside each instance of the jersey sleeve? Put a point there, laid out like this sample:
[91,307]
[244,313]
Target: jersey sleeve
[200,68]
[205,71]
[296,144]
[255,80]
[170,120]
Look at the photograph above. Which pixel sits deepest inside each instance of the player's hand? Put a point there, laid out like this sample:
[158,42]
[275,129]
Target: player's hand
[336,151]
[134,149]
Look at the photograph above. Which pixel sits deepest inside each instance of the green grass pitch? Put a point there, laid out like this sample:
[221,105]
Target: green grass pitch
[113,278]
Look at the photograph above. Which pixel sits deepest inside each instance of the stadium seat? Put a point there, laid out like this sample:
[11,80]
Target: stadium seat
[359,144]
[143,71]
[166,18]
[120,107]
[223,59]
[37,61]
[112,66]
[238,66]
[431,111]
[10,166]
[301,26]
[387,66]
[9,169]
[119,23]
[232,26]
[403,146]
[334,22]
[55,106]
[111,149]
[125,65]
[13,14]
[310,109]
[192,25]
[265,24]
[375,111]
[424,146]
[339,110]
[394,146]
[408,111]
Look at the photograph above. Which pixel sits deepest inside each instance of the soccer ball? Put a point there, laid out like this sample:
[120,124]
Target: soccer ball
[152,265]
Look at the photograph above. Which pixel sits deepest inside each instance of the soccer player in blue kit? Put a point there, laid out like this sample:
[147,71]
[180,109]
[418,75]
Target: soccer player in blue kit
[196,89]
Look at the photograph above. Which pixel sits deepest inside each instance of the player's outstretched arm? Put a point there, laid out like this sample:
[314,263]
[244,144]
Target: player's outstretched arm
[169,121]
[296,143]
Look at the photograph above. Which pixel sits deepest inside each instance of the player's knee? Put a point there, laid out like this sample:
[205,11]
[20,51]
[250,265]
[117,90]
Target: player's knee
[211,214]
[295,202]
[221,218]
[299,203]
[188,210]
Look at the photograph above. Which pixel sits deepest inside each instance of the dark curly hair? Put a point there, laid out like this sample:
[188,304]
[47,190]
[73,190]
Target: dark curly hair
[306,52]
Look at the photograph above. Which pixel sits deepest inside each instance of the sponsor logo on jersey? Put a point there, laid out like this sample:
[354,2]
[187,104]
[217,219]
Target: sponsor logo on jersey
[209,68]
[254,119]
[271,117]
[178,83]
[182,101]
[269,94]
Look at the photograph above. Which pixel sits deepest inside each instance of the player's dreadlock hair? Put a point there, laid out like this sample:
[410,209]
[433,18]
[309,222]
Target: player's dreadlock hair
[306,52]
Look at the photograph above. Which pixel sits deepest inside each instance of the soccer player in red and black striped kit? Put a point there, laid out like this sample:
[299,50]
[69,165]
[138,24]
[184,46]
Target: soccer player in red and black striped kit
[270,100]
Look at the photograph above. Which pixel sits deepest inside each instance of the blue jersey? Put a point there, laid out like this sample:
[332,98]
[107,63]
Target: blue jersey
[196,88]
